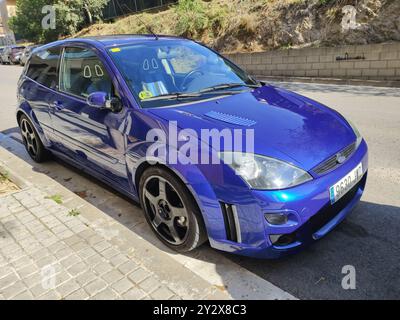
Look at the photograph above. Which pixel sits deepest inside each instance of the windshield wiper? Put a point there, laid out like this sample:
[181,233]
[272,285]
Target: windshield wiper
[182,95]
[173,95]
[228,86]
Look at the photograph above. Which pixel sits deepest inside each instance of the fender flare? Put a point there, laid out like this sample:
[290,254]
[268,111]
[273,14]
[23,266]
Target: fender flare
[25,109]
[194,180]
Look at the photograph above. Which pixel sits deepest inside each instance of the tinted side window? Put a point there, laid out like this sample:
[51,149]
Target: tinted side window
[43,67]
[82,73]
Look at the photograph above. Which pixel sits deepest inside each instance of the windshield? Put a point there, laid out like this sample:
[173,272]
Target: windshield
[166,72]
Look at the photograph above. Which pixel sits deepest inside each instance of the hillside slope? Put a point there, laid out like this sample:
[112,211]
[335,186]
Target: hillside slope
[257,25]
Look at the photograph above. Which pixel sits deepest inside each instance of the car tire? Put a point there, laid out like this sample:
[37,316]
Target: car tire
[172,214]
[32,141]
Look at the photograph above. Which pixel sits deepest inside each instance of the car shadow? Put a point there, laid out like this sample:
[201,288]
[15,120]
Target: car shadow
[368,240]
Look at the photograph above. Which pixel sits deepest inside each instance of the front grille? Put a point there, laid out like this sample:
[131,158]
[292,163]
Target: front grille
[332,162]
[329,211]
[326,214]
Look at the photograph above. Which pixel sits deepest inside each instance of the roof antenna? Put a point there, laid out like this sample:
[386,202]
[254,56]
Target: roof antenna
[140,20]
[148,28]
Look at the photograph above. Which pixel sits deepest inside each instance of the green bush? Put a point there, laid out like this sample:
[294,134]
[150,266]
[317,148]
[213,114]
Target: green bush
[324,2]
[218,17]
[192,19]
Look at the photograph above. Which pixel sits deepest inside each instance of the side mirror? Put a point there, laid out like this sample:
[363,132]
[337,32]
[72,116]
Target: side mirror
[100,100]
[97,99]
[114,104]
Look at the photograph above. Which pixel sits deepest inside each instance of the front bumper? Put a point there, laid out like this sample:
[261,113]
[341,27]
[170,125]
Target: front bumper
[310,213]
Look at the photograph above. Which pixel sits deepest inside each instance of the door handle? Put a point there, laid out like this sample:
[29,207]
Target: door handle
[58,105]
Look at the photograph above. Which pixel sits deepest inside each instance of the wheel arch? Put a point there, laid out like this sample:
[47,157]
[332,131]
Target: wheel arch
[26,110]
[145,165]
[20,113]
[200,191]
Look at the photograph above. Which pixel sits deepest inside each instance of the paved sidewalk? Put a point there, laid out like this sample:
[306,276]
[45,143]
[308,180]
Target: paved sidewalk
[48,253]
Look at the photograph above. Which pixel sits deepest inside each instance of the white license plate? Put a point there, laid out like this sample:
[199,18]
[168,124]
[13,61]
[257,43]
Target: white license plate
[340,188]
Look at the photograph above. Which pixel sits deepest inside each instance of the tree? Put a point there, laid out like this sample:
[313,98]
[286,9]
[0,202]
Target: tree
[93,9]
[70,16]
[27,22]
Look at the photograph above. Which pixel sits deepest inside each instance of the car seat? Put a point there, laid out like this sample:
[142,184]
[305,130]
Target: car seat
[154,78]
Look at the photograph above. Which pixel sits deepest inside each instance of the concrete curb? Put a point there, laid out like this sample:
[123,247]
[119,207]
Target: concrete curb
[204,268]
[14,177]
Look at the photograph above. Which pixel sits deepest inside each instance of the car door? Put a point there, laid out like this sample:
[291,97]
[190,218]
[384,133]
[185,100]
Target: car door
[39,83]
[91,136]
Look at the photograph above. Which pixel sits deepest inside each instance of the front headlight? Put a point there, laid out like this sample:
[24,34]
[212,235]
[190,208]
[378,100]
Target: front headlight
[262,172]
[356,132]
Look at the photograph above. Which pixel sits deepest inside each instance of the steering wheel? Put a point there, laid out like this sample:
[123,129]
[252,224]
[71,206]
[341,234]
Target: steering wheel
[190,74]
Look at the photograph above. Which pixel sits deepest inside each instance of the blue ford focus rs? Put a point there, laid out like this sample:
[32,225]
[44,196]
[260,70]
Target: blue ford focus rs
[209,152]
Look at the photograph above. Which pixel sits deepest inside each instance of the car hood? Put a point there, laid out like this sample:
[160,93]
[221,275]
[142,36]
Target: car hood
[286,125]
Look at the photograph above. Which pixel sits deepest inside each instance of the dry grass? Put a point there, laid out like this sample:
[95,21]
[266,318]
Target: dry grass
[219,18]
[6,186]
[240,25]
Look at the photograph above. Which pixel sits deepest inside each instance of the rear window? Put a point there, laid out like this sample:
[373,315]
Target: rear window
[43,67]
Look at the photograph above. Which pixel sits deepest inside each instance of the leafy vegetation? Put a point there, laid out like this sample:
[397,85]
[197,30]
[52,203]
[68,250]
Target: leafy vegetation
[56,198]
[225,25]
[324,2]
[71,16]
[4,176]
[74,212]
[192,18]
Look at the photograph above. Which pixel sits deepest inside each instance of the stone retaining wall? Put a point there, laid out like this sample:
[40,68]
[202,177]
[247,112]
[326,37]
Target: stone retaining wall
[367,62]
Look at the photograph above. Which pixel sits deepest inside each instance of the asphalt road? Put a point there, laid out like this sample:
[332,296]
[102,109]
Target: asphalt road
[369,239]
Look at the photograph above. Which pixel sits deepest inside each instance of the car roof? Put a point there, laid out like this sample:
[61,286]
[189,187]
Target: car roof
[114,40]
[127,38]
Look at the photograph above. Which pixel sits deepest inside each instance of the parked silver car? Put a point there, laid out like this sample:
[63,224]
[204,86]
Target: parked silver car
[11,54]
[1,54]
